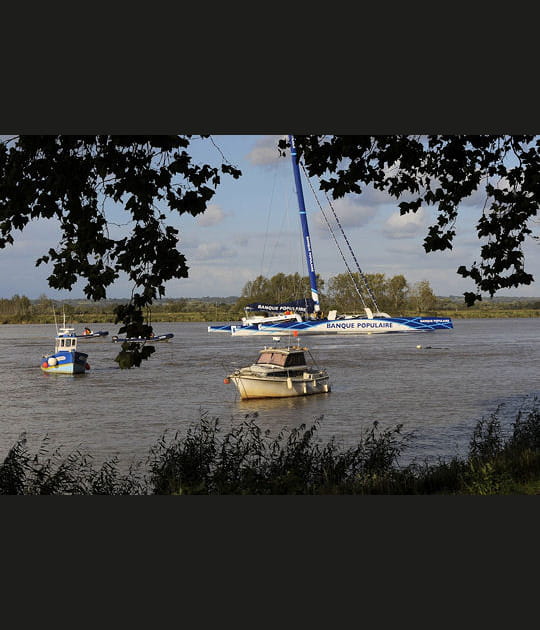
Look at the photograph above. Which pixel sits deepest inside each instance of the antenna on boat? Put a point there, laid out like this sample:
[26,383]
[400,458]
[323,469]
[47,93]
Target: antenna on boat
[55,322]
[294,333]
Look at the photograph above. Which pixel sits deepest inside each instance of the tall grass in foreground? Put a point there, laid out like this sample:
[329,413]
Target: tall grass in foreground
[247,460]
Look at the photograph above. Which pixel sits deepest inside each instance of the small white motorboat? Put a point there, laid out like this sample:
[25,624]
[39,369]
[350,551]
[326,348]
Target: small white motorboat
[280,373]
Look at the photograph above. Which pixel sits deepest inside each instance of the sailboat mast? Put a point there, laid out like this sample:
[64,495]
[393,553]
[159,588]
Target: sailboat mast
[305,229]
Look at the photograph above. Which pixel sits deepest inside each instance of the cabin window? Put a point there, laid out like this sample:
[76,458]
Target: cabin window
[295,359]
[275,358]
[278,358]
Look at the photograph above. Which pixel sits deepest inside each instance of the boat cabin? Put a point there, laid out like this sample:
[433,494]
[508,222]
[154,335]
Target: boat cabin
[65,343]
[282,357]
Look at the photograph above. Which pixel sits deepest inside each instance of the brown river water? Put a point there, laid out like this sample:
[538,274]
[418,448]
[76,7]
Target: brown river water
[438,391]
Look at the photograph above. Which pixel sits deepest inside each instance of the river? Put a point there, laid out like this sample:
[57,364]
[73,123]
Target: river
[438,391]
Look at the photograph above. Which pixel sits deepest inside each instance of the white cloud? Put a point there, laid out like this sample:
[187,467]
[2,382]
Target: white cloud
[211,279]
[374,196]
[213,215]
[477,199]
[406,225]
[35,240]
[265,151]
[350,212]
[211,251]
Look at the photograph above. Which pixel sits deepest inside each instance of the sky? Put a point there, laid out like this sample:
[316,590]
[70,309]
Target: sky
[252,228]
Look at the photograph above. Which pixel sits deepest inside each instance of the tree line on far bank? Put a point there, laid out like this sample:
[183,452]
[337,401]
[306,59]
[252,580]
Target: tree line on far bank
[394,295]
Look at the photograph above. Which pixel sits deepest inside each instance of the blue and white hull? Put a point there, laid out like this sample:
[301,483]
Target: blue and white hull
[239,330]
[66,359]
[226,328]
[250,325]
[361,325]
[252,329]
[66,362]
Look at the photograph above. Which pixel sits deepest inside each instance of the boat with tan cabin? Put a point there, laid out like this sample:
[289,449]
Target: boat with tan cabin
[280,372]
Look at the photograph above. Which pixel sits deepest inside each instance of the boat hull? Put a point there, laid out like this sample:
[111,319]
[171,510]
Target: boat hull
[65,363]
[376,325]
[246,331]
[225,328]
[253,328]
[155,339]
[95,335]
[253,386]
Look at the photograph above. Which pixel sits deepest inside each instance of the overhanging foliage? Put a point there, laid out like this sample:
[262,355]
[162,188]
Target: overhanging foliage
[443,171]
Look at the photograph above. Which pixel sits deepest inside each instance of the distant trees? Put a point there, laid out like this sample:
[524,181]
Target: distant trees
[44,304]
[422,296]
[392,294]
[19,309]
[279,288]
[414,299]
[18,305]
[176,306]
[397,289]
[341,292]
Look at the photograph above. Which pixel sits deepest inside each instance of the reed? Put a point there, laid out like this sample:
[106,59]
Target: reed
[53,473]
[247,460]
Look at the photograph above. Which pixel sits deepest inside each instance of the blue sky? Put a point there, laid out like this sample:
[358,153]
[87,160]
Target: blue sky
[252,228]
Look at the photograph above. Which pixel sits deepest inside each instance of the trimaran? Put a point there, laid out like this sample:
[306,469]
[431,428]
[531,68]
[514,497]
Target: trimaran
[305,315]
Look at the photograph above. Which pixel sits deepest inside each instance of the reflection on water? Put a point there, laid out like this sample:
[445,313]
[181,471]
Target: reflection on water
[297,409]
[438,390]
